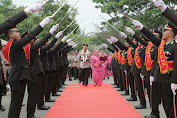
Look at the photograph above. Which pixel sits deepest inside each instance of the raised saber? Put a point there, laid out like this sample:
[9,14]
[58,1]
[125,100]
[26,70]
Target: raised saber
[110,25]
[45,2]
[67,13]
[120,11]
[117,21]
[102,30]
[68,25]
[76,27]
[59,9]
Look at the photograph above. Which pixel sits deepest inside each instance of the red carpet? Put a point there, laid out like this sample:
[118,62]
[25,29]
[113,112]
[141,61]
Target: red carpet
[78,101]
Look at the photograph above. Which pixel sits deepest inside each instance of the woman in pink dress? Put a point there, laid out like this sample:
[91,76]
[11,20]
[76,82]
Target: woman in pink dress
[97,69]
[105,71]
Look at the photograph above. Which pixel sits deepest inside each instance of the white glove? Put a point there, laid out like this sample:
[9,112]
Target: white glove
[70,44]
[69,40]
[33,8]
[64,38]
[123,35]
[114,39]
[53,29]
[125,72]
[45,21]
[59,34]
[74,45]
[160,4]
[109,41]
[138,24]
[151,80]
[173,88]
[105,46]
[142,76]
[130,31]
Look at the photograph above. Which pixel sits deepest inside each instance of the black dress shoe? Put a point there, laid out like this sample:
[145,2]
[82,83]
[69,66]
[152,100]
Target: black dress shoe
[70,79]
[59,90]
[2,108]
[132,99]
[114,84]
[95,84]
[35,117]
[55,94]
[44,107]
[152,116]
[120,90]
[140,106]
[23,104]
[124,94]
[50,100]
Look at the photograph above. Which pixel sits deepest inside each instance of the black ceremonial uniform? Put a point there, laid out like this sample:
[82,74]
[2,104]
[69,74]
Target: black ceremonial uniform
[138,80]
[45,62]
[20,72]
[37,73]
[52,69]
[166,79]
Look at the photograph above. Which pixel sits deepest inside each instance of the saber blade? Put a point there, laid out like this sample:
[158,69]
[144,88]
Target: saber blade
[59,9]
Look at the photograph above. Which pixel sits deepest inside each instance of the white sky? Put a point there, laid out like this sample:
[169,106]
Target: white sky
[86,10]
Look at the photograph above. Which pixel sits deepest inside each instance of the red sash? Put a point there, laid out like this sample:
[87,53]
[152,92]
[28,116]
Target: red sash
[6,50]
[149,62]
[27,51]
[115,54]
[164,65]
[130,58]
[119,57]
[137,58]
[123,58]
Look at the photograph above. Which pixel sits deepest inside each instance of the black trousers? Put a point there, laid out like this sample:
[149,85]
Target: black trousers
[1,91]
[85,75]
[64,74]
[114,71]
[167,99]
[125,81]
[42,90]
[34,88]
[119,77]
[147,84]
[139,87]
[75,73]
[155,98]
[69,72]
[60,76]
[132,84]
[17,95]
[49,84]
[54,82]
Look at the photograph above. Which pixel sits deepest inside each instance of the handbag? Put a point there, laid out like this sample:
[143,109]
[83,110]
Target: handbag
[108,67]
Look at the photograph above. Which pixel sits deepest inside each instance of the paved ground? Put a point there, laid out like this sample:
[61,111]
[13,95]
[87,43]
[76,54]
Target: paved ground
[41,114]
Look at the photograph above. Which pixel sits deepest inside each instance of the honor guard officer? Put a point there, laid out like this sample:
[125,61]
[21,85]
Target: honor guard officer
[166,69]
[20,71]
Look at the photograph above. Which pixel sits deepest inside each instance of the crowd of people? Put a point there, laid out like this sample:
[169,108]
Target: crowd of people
[149,61]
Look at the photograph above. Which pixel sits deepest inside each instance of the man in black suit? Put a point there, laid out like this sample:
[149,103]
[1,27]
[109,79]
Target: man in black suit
[45,63]
[20,71]
[37,71]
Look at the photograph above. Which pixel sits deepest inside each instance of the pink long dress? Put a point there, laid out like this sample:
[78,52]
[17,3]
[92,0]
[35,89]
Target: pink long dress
[105,71]
[109,62]
[97,72]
